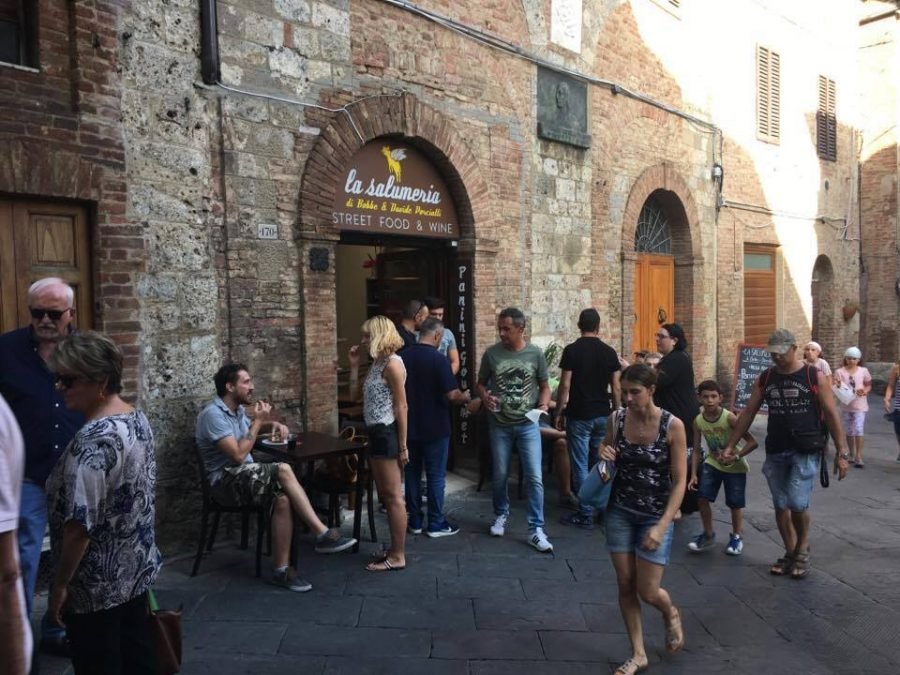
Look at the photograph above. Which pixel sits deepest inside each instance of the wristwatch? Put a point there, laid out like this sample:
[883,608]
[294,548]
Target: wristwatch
[845,456]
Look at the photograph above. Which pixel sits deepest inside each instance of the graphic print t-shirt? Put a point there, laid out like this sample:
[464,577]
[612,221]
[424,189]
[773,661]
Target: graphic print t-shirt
[514,378]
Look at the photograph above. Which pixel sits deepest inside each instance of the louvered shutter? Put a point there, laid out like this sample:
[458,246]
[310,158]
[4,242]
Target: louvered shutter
[768,95]
[826,120]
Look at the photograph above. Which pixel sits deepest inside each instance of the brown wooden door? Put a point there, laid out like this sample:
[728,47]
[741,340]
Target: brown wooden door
[759,293]
[40,240]
[654,298]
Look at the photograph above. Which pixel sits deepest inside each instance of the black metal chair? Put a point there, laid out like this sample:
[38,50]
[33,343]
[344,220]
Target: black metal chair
[212,507]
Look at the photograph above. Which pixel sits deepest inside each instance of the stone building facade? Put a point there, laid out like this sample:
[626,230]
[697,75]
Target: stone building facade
[879,68]
[210,200]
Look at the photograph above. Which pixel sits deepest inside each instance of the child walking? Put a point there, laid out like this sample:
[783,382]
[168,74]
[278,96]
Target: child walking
[714,424]
[853,414]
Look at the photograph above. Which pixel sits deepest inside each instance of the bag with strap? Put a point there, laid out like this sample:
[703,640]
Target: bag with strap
[166,626]
[597,486]
[811,442]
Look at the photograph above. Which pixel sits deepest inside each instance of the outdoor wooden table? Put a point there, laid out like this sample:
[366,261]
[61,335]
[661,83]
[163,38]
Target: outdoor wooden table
[313,445]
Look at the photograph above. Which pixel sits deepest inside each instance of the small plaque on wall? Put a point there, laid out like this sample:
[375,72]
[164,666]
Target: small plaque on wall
[562,109]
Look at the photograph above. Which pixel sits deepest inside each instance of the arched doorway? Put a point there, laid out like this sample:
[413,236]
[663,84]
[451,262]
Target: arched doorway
[656,275]
[824,306]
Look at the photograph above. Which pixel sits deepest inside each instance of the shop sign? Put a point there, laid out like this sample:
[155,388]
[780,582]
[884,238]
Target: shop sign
[462,329]
[390,187]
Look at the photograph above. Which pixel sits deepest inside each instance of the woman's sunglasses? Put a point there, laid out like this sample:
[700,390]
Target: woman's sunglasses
[66,381]
[54,314]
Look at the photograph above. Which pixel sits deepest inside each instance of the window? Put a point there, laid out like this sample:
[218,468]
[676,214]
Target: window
[18,43]
[826,121]
[768,95]
[653,234]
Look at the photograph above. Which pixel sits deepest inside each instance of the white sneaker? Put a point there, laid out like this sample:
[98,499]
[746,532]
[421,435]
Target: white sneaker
[539,540]
[498,529]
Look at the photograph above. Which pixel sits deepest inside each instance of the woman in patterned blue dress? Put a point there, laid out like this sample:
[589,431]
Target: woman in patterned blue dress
[648,448]
[102,507]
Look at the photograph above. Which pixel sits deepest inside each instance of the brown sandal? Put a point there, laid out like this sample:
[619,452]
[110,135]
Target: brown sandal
[631,666]
[782,566]
[674,632]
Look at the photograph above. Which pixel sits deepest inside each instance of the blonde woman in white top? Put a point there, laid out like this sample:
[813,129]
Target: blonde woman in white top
[384,409]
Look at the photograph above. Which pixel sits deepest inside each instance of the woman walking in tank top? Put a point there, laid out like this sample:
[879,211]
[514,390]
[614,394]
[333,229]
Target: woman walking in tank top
[648,447]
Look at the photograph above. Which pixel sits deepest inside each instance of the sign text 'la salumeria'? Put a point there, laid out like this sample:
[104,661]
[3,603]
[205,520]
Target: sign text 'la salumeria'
[385,199]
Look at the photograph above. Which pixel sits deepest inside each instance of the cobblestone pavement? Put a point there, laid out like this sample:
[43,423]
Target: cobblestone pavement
[485,606]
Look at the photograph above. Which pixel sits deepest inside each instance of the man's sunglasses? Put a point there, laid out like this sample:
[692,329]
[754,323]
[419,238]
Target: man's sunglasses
[66,381]
[54,314]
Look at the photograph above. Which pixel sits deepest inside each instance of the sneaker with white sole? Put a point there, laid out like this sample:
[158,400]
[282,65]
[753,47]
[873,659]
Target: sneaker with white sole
[498,529]
[735,545]
[447,530]
[292,583]
[539,540]
[702,542]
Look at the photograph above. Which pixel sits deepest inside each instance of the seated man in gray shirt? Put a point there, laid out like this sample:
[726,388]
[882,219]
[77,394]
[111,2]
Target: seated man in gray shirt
[225,435]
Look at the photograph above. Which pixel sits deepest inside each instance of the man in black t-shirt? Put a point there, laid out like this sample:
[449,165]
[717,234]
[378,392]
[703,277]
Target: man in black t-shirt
[590,377]
[800,402]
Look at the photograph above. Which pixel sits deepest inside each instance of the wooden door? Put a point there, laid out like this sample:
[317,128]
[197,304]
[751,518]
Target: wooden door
[759,293]
[40,240]
[654,298]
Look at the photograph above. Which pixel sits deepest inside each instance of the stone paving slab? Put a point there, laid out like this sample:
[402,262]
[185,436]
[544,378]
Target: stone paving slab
[443,614]
[486,644]
[310,639]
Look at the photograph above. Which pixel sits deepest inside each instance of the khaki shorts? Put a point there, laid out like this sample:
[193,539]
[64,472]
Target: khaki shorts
[251,484]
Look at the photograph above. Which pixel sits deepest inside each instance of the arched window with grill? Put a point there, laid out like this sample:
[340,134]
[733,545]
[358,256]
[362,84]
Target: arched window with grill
[653,234]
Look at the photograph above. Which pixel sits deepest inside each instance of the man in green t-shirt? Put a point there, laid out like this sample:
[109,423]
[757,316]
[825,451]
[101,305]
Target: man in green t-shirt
[512,380]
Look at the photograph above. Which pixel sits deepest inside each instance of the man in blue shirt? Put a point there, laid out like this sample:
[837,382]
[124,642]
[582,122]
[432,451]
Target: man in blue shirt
[225,435]
[430,387]
[29,388]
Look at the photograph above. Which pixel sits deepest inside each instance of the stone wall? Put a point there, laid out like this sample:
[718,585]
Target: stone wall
[188,182]
[880,185]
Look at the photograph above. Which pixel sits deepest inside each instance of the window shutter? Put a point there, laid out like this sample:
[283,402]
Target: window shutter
[826,120]
[768,95]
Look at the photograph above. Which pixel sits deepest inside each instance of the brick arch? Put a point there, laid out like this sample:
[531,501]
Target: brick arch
[417,123]
[825,308]
[399,116]
[664,182]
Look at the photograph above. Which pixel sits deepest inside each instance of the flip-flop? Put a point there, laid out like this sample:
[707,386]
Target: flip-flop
[379,556]
[630,667]
[384,566]
[674,633]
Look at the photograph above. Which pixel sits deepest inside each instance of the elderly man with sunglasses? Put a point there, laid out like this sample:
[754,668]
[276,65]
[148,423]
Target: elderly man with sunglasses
[47,425]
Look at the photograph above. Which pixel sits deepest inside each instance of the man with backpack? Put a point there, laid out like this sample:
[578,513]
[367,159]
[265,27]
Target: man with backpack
[801,414]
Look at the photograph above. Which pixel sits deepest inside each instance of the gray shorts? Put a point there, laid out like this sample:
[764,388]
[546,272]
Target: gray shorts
[251,484]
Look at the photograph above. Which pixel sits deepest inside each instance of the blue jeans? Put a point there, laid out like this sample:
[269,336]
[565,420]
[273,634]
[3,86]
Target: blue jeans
[583,438]
[527,438]
[32,525]
[433,454]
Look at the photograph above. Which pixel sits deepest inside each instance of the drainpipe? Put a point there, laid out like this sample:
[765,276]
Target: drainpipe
[209,42]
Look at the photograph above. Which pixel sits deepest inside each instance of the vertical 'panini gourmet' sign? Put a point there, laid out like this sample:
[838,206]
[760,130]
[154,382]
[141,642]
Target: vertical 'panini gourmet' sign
[390,187]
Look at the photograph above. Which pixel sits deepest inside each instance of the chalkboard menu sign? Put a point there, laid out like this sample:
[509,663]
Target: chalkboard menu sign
[752,360]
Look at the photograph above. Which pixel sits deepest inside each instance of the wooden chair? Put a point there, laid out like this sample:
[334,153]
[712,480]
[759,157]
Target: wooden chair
[212,507]
[341,480]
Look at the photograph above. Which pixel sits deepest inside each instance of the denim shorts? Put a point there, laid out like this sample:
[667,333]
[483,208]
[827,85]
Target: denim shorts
[791,476]
[625,531]
[711,479]
[383,441]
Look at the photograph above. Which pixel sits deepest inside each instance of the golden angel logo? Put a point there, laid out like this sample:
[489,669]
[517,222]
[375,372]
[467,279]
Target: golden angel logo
[394,157]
